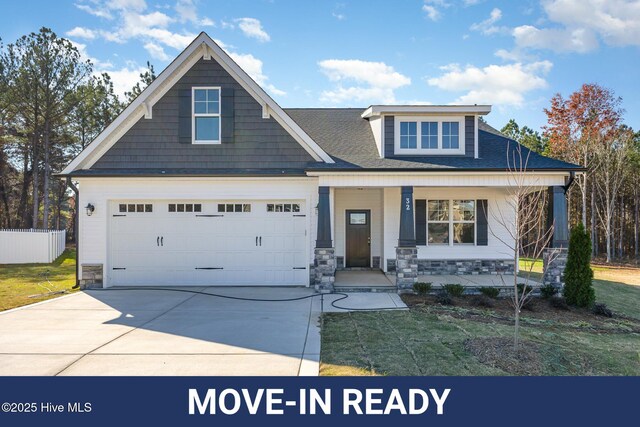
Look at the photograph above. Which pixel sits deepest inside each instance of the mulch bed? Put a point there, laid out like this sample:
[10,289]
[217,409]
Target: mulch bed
[501,311]
[500,353]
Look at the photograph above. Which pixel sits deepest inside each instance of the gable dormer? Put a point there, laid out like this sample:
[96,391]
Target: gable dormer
[425,130]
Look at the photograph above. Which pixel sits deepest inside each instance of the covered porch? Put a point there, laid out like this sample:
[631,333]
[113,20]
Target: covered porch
[445,229]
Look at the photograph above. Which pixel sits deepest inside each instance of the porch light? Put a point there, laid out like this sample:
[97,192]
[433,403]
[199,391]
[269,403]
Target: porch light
[90,208]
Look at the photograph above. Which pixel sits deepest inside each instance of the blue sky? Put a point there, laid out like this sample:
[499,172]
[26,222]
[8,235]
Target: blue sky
[512,54]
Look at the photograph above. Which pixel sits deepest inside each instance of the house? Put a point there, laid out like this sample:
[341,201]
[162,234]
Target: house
[205,180]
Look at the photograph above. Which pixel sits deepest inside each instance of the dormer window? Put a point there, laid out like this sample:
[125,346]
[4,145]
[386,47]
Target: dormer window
[206,115]
[429,135]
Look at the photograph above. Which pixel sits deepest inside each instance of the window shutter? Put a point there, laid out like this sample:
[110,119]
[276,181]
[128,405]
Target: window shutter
[482,227]
[184,116]
[227,115]
[421,222]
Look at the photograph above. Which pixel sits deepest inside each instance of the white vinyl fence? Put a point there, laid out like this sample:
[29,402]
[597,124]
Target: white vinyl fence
[31,246]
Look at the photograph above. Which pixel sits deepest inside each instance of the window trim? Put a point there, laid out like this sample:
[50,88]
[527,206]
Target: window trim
[430,151]
[451,222]
[194,115]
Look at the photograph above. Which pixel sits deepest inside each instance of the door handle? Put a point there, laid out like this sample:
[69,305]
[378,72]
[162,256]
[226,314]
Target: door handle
[158,241]
[162,241]
[369,240]
[256,240]
[260,240]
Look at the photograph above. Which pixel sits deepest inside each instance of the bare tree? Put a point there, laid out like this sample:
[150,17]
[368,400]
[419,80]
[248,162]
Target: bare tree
[613,154]
[523,221]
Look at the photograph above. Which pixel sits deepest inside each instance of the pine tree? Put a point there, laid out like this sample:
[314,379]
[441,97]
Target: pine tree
[578,276]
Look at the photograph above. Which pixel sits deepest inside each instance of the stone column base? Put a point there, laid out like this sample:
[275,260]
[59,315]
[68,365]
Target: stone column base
[324,264]
[554,262]
[91,276]
[406,268]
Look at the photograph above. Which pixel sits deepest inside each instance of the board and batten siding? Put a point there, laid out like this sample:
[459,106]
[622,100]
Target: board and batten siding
[94,229]
[351,199]
[495,249]
[257,143]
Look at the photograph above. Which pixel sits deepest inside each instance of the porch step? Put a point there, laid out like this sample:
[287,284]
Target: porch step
[366,289]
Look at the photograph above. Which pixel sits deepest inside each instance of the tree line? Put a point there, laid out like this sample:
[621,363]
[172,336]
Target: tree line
[52,105]
[587,128]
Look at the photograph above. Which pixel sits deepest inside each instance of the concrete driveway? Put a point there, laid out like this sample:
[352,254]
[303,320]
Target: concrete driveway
[161,332]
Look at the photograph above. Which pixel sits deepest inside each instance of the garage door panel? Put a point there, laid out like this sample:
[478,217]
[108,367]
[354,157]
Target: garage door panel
[209,250]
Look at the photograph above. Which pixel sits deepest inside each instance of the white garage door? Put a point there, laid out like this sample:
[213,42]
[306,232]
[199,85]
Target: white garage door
[226,242]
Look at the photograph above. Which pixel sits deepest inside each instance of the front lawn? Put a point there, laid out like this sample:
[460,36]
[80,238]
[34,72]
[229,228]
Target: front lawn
[22,284]
[431,339]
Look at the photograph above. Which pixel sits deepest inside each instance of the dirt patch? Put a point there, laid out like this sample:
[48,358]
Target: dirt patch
[500,353]
[538,309]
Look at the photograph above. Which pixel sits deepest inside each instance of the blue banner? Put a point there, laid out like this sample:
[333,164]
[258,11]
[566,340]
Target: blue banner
[440,401]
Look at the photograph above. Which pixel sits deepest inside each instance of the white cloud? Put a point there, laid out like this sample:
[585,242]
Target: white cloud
[84,56]
[101,12]
[339,16]
[227,25]
[488,27]
[581,24]
[251,27]
[472,2]
[156,51]
[124,79]
[187,12]
[81,33]
[502,85]
[432,8]
[370,81]
[579,40]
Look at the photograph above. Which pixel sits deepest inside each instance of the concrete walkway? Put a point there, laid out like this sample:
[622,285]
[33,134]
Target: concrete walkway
[471,280]
[353,279]
[164,332]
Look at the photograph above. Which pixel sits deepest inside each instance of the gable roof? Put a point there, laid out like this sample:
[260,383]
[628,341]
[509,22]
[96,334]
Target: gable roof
[347,137]
[142,106]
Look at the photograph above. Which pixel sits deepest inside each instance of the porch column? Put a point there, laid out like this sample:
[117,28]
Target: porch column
[406,251]
[324,254]
[555,256]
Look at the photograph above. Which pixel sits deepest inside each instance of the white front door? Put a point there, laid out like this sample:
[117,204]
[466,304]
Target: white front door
[195,242]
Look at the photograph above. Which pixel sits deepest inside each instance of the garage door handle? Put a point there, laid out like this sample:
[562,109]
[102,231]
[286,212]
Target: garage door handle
[260,240]
[158,241]
[256,240]
[162,241]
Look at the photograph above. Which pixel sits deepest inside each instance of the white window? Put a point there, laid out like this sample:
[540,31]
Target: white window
[206,115]
[429,135]
[451,222]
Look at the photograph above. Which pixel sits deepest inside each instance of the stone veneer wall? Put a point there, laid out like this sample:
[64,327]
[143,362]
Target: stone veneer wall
[431,266]
[406,268]
[554,262]
[325,269]
[91,276]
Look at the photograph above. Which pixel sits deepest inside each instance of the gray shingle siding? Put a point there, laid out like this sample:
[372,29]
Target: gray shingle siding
[257,143]
[469,136]
[389,135]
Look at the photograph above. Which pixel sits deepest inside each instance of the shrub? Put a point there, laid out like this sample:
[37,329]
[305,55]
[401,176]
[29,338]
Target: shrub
[601,309]
[444,298]
[559,302]
[523,288]
[482,301]
[454,289]
[490,292]
[578,276]
[422,288]
[548,291]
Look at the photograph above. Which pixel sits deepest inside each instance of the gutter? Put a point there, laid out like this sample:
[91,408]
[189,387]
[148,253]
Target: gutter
[76,226]
[572,177]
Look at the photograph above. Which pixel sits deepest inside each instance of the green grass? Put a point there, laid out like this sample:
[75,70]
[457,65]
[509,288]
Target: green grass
[20,282]
[430,340]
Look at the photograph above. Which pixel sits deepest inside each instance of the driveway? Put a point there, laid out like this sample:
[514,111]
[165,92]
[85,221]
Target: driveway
[163,332]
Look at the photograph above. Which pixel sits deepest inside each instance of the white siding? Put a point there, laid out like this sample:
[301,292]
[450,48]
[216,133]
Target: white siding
[358,199]
[459,179]
[99,191]
[498,206]
[376,129]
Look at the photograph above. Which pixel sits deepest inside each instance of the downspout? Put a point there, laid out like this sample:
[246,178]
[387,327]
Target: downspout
[76,226]
[572,177]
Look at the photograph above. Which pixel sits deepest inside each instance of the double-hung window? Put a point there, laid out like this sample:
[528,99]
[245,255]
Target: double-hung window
[429,135]
[206,115]
[451,222]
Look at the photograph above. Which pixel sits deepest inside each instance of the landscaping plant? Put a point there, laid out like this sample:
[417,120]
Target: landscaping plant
[578,275]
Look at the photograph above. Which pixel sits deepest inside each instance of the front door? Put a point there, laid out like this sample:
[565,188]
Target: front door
[358,238]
